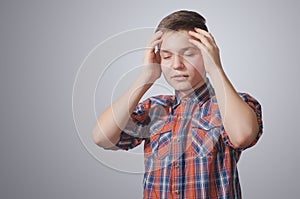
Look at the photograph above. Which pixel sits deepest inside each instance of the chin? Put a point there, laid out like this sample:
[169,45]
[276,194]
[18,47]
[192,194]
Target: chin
[182,86]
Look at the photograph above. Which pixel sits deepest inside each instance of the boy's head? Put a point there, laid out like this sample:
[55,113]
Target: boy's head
[182,20]
[181,61]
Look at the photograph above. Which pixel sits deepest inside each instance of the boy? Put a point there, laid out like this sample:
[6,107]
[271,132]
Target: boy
[193,139]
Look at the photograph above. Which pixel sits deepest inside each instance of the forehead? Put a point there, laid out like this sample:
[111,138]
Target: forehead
[175,41]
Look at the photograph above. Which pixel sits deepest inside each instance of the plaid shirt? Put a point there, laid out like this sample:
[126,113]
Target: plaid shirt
[187,153]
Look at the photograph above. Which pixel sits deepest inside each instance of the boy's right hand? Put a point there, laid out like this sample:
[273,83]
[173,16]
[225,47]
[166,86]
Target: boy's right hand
[151,62]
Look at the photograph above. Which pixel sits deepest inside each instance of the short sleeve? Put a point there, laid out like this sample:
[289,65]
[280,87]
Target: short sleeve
[255,105]
[137,127]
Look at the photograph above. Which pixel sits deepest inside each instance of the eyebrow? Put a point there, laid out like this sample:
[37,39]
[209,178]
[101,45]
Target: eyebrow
[181,50]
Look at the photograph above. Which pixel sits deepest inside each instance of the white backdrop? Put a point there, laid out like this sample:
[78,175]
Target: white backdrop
[43,46]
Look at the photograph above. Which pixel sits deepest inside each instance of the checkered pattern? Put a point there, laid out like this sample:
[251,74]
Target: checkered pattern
[187,152]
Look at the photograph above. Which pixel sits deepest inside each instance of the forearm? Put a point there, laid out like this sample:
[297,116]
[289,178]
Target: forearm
[110,123]
[113,120]
[238,118]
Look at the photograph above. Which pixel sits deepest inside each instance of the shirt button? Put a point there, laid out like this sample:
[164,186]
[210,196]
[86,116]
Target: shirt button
[177,192]
[176,165]
[178,140]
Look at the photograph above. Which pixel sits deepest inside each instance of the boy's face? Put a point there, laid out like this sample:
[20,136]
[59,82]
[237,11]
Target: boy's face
[181,62]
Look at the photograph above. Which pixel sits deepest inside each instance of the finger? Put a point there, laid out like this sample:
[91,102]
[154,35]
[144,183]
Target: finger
[152,47]
[204,32]
[200,45]
[156,36]
[156,42]
[201,38]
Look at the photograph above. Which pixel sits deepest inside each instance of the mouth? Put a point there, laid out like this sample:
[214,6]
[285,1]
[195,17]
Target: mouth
[179,77]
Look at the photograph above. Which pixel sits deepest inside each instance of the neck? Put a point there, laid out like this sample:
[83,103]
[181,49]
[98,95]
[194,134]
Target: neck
[186,93]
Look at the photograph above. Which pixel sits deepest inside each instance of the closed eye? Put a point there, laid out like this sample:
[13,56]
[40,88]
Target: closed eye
[166,55]
[189,53]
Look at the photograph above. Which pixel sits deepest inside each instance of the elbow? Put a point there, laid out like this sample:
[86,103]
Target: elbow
[102,140]
[245,137]
[95,137]
[99,138]
[242,141]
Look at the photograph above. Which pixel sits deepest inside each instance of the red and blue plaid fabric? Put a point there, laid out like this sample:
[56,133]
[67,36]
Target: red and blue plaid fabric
[187,152]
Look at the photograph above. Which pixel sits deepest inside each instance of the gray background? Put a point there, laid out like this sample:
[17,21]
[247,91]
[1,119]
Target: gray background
[43,44]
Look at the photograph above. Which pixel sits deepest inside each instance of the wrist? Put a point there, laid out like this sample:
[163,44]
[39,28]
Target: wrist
[216,72]
[143,83]
[147,77]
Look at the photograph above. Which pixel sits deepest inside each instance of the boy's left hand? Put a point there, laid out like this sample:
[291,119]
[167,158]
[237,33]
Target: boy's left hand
[210,51]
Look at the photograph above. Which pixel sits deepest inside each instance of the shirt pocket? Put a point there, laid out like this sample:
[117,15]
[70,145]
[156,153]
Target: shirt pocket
[161,142]
[204,137]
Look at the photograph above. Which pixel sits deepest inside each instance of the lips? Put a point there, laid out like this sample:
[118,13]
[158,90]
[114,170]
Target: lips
[179,77]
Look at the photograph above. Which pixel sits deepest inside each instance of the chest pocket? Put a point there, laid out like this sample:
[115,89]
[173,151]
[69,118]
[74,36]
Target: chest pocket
[161,142]
[205,136]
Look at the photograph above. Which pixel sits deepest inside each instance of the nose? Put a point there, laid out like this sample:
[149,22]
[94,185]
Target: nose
[177,62]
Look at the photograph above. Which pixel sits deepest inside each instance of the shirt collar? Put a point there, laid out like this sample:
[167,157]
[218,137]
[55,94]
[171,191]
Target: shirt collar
[199,95]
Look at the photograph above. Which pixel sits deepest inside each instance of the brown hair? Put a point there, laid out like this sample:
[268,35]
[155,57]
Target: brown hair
[182,20]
